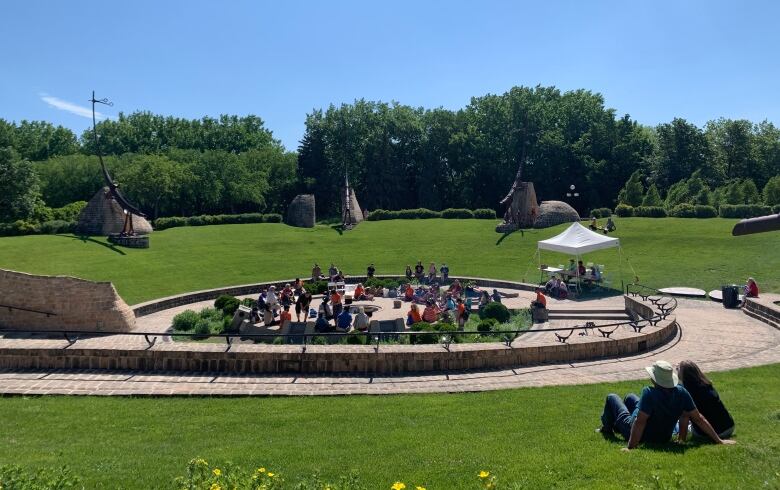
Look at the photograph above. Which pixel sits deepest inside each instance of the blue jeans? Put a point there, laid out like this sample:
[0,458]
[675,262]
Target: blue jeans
[618,414]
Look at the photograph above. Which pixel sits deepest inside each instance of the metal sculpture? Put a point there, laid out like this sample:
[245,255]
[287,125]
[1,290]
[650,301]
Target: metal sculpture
[757,225]
[113,187]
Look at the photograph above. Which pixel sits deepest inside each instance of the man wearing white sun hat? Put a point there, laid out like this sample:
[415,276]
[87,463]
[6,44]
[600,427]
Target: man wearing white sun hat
[652,417]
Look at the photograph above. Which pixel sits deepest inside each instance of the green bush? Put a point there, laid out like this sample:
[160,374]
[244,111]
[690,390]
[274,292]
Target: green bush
[203,326]
[16,478]
[776,209]
[419,213]
[495,310]
[250,218]
[683,210]
[172,222]
[649,212]
[185,321]
[57,226]
[272,218]
[211,314]
[196,221]
[743,210]
[703,211]
[484,213]
[453,213]
[69,212]
[319,340]
[600,213]
[624,210]
[228,304]
[227,325]
[356,338]
[383,283]
[428,338]
[487,325]
[317,287]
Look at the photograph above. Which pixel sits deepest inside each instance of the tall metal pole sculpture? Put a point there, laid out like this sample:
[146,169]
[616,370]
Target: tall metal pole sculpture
[347,219]
[757,225]
[113,187]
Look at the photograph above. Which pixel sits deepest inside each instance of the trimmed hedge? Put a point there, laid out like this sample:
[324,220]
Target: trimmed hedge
[600,213]
[649,212]
[218,219]
[18,228]
[684,210]
[424,213]
[704,211]
[744,210]
[624,210]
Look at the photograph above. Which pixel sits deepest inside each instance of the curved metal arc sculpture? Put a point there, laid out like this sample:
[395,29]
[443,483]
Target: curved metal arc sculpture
[113,187]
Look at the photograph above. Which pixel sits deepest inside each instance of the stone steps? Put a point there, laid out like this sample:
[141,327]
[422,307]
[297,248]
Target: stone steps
[766,314]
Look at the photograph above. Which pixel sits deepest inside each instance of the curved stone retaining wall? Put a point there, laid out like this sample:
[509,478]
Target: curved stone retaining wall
[331,359]
[160,304]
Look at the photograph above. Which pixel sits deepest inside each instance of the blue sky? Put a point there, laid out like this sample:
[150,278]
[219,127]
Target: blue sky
[654,60]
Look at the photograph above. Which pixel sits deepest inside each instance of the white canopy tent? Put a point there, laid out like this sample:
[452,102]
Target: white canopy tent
[578,240]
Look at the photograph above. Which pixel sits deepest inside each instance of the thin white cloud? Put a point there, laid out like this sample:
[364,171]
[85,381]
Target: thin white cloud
[76,109]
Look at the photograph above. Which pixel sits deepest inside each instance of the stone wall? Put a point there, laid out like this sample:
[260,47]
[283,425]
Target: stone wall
[61,303]
[331,359]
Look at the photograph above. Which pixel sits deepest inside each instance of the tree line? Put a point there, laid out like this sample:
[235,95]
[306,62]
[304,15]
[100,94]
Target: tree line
[396,156]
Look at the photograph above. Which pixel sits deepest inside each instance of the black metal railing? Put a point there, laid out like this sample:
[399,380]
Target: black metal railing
[11,308]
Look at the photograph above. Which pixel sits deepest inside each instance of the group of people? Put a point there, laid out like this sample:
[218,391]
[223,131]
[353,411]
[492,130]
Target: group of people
[608,227]
[452,305]
[433,275]
[557,287]
[273,308]
[674,399]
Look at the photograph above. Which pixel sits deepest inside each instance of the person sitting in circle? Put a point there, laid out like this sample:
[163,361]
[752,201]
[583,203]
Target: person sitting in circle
[496,296]
[572,269]
[413,315]
[322,325]
[344,320]
[594,225]
[455,288]
[419,270]
[285,317]
[360,293]
[431,312]
[408,293]
[408,272]
[361,320]
[751,288]
[540,301]
[610,226]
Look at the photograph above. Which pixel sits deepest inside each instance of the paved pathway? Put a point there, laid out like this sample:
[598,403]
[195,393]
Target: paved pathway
[716,338]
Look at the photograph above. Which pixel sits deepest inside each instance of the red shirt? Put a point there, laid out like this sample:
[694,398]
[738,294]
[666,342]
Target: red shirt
[335,298]
[541,298]
[752,290]
[285,316]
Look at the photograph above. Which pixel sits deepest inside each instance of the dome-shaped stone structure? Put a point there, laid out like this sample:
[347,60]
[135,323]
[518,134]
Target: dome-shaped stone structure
[104,216]
[301,212]
[553,213]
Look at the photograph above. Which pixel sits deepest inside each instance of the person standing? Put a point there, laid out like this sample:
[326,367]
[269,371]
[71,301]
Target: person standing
[336,305]
[445,273]
[302,303]
[370,270]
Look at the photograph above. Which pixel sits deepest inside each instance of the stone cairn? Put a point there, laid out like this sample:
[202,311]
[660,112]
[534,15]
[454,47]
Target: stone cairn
[301,212]
[351,214]
[103,216]
[522,208]
[553,213]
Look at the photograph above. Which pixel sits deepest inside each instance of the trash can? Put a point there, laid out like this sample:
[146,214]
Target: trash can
[730,295]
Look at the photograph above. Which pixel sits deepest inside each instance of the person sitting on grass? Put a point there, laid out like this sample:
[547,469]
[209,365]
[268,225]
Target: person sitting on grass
[594,225]
[361,320]
[285,317]
[707,401]
[344,320]
[408,272]
[610,226]
[322,325]
[540,301]
[302,304]
[751,288]
[413,315]
[652,417]
[431,312]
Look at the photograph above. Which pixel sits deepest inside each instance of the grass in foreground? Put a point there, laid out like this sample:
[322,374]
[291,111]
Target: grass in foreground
[535,437]
[663,252]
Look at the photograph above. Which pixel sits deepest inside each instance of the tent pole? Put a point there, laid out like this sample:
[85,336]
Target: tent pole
[620,268]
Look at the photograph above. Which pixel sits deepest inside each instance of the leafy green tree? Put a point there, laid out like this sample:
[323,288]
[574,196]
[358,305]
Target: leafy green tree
[70,178]
[678,194]
[750,192]
[733,194]
[632,192]
[19,191]
[683,149]
[652,198]
[772,191]
[150,180]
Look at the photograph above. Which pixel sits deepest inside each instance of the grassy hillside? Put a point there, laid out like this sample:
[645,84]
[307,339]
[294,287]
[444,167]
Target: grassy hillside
[664,252]
[534,437]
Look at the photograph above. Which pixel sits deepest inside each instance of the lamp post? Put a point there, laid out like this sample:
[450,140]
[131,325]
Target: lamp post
[573,195]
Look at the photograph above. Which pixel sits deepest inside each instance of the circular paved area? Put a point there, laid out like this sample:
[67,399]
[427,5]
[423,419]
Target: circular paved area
[717,338]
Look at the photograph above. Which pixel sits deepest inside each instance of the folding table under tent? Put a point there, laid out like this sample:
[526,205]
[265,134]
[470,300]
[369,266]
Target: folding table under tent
[577,240]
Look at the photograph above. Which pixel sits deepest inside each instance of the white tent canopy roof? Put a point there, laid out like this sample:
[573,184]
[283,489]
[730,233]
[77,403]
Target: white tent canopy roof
[578,240]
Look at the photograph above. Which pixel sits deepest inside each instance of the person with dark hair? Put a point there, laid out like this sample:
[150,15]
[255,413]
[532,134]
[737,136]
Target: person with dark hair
[302,303]
[316,272]
[496,296]
[419,270]
[652,418]
[322,325]
[581,271]
[707,401]
[285,317]
[408,272]
[335,301]
[540,301]
[370,270]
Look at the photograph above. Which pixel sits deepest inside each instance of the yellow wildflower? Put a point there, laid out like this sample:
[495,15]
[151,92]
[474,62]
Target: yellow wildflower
[419,488]
[398,486]
[215,486]
[217,472]
[261,470]
[484,474]
[270,474]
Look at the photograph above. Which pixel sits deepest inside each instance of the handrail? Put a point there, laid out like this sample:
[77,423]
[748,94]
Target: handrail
[47,313]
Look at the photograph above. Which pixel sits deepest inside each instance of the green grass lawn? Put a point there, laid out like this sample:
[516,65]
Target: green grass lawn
[664,252]
[537,437]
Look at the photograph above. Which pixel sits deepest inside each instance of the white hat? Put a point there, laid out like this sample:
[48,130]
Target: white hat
[663,374]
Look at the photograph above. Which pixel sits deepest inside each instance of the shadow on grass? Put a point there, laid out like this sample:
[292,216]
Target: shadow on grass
[503,237]
[89,239]
[338,229]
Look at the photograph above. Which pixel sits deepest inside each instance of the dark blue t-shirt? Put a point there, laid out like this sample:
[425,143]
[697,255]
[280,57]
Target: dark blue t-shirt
[344,320]
[664,407]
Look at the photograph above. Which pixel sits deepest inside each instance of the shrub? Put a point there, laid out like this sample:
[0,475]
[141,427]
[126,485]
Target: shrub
[776,209]
[495,310]
[228,304]
[18,478]
[419,213]
[250,218]
[624,210]
[196,221]
[484,213]
[185,321]
[212,314]
[453,213]
[272,218]
[317,287]
[487,325]
[172,222]
[57,226]
[771,193]
[703,211]
[683,210]
[356,338]
[429,338]
[600,213]
[203,326]
[69,212]
[649,212]
[743,210]
[652,198]
[319,340]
